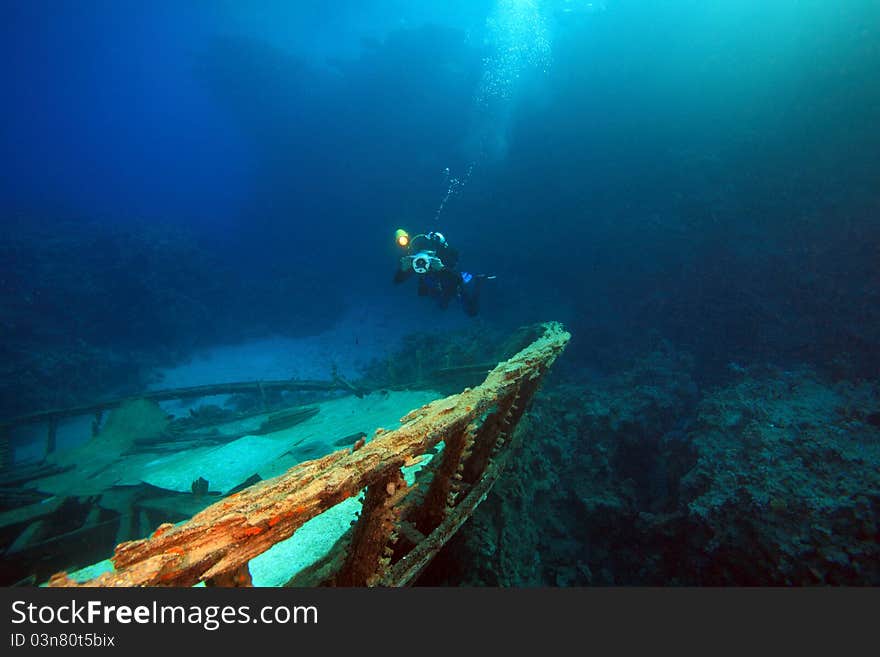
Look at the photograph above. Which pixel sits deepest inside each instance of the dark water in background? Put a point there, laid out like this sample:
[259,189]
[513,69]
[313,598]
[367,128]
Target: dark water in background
[178,174]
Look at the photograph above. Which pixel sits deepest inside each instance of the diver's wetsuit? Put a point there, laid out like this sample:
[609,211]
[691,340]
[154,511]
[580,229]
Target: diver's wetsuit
[447,283]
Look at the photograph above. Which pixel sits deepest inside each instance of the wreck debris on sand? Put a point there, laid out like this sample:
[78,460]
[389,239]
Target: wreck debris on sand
[400,527]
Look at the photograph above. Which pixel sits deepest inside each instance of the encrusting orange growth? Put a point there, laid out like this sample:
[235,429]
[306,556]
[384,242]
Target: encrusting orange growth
[287,515]
[161,529]
[252,531]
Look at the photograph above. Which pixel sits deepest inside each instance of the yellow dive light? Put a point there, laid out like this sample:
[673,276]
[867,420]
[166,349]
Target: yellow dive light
[401,237]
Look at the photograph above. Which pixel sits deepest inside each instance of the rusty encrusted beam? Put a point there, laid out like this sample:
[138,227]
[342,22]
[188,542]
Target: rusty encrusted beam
[406,570]
[480,464]
[495,423]
[239,578]
[217,543]
[433,508]
[375,533]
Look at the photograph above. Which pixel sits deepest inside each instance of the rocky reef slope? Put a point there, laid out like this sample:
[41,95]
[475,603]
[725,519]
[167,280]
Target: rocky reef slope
[644,479]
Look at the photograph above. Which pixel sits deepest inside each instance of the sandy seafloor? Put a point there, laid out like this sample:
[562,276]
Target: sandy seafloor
[364,334]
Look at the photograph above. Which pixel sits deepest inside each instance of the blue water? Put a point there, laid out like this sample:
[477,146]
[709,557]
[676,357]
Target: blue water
[701,170]
[179,176]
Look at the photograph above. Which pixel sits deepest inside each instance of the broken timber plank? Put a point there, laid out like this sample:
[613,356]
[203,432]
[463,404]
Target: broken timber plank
[31,511]
[177,393]
[20,476]
[285,420]
[28,536]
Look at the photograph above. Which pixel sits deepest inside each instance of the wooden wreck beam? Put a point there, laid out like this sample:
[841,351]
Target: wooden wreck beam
[239,578]
[433,508]
[230,533]
[23,474]
[375,533]
[224,537]
[473,466]
[406,570]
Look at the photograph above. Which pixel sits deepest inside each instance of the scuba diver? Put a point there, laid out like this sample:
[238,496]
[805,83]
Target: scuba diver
[430,257]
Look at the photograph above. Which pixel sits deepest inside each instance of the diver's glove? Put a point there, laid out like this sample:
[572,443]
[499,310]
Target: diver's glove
[434,236]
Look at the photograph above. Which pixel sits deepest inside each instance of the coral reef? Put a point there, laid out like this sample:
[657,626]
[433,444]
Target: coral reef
[771,479]
[90,308]
[786,486]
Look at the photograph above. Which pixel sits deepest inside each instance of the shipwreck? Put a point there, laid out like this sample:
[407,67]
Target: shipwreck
[402,492]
